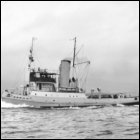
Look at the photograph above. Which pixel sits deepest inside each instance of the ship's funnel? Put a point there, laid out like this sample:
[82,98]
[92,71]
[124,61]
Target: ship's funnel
[64,73]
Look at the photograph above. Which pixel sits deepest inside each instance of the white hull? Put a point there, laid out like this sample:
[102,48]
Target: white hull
[81,101]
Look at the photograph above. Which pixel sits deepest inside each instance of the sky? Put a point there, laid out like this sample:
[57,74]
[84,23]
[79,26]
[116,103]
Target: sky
[107,30]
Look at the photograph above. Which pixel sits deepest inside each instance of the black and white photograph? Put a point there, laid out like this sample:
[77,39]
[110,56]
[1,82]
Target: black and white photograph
[69,69]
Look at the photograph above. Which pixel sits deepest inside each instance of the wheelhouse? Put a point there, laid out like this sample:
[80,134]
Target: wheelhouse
[42,80]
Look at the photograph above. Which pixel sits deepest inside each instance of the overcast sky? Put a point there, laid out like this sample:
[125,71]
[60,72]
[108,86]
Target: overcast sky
[109,32]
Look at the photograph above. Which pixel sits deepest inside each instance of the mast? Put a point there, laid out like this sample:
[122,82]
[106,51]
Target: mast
[31,58]
[74,54]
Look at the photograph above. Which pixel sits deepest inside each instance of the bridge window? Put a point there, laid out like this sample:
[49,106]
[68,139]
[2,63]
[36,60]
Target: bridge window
[46,87]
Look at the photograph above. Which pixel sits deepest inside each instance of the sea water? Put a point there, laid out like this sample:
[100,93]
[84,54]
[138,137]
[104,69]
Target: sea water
[120,122]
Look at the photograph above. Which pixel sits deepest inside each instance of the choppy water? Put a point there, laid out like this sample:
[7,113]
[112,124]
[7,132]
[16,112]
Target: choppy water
[121,122]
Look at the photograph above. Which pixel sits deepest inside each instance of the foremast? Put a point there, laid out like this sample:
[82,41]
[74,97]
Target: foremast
[31,57]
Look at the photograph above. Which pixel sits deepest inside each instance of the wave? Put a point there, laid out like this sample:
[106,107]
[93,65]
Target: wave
[10,105]
[120,105]
[67,108]
[93,107]
[74,108]
[136,105]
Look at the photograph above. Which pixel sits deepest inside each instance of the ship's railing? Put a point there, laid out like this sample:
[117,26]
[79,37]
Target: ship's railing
[18,91]
[63,89]
[44,70]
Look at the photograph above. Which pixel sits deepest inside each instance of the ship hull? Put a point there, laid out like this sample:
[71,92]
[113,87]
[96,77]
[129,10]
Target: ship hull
[59,103]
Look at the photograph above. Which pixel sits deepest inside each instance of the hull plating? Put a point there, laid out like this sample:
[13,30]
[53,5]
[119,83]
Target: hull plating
[61,102]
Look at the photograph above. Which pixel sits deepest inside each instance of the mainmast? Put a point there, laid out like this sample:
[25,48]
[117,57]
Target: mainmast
[74,54]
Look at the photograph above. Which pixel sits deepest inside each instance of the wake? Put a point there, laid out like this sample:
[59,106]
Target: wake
[9,105]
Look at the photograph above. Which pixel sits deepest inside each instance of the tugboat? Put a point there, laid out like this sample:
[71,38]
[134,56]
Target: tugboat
[65,88]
